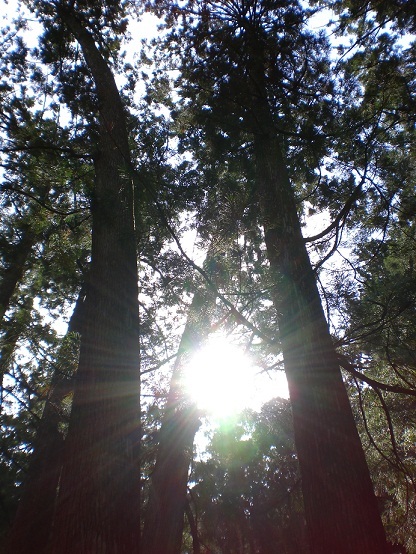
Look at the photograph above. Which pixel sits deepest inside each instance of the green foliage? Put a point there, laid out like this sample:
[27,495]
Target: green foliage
[345,119]
[245,492]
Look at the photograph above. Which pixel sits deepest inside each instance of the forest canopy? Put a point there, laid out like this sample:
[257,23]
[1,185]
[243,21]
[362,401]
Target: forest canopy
[211,185]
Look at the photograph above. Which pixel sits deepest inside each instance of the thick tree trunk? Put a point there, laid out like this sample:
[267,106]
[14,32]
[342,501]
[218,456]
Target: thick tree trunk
[33,521]
[340,506]
[341,509]
[98,507]
[164,521]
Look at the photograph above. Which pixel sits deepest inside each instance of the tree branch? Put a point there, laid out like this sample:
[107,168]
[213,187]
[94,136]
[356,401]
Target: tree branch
[376,385]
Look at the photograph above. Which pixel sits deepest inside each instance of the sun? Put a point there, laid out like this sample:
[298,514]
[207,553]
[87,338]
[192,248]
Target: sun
[223,380]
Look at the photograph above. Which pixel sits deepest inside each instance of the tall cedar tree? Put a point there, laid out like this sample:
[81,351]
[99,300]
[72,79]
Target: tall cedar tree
[378,310]
[99,493]
[234,41]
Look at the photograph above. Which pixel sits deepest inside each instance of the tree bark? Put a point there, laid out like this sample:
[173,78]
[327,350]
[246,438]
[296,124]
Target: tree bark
[341,509]
[193,525]
[32,524]
[164,521]
[340,506]
[98,507]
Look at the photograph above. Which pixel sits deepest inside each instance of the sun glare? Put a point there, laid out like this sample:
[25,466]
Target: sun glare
[222,380]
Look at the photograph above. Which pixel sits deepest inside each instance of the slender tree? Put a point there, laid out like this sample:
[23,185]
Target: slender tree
[35,515]
[163,525]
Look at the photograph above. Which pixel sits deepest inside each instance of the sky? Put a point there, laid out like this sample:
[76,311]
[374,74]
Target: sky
[240,383]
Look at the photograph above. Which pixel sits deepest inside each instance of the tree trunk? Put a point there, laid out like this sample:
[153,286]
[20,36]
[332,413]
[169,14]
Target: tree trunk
[341,509]
[164,521]
[16,267]
[167,501]
[193,525]
[33,521]
[340,506]
[98,507]
[11,332]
